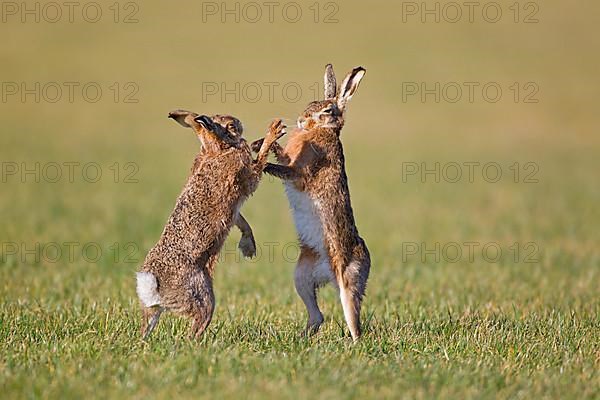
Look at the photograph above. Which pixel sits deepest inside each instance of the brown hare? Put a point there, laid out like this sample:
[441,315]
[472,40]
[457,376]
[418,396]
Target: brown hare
[247,244]
[178,271]
[312,168]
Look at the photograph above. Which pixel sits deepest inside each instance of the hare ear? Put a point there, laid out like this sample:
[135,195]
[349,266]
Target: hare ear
[330,83]
[183,117]
[349,86]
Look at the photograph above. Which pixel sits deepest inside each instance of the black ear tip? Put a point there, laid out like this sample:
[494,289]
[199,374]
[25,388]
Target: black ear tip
[204,120]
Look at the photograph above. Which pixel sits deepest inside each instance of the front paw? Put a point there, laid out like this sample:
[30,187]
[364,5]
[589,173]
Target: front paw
[256,145]
[247,246]
[276,129]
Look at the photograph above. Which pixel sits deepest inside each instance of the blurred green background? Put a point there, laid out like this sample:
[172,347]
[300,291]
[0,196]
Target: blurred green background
[69,328]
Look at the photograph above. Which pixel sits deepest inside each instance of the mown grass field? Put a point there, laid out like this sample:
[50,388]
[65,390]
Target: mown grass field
[524,324]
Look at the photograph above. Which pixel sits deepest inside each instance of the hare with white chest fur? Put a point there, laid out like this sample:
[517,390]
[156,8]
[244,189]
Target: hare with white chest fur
[312,168]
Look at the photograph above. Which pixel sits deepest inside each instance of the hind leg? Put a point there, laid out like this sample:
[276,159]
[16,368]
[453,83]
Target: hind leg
[150,316]
[200,303]
[307,279]
[353,283]
[202,318]
[203,309]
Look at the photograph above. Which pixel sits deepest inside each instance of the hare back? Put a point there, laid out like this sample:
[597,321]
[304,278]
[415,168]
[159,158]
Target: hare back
[203,215]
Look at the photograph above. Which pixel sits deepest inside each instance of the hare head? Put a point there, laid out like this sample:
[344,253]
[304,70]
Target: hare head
[329,113]
[215,133]
[231,124]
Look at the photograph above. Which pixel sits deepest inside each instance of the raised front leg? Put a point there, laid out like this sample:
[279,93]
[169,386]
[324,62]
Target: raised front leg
[283,172]
[247,243]
[276,130]
[276,149]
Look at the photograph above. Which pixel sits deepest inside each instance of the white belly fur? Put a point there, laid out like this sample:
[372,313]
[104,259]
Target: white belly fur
[308,225]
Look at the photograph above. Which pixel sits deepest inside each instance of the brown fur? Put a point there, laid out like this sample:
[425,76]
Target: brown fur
[183,261]
[313,162]
[233,126]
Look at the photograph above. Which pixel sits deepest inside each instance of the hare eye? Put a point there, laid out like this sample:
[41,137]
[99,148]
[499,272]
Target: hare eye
[327,111]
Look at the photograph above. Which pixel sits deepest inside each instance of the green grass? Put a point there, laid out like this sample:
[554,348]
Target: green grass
[433,328]
[414,351]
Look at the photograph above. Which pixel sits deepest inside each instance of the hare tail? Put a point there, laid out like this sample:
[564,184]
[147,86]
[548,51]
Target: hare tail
[147,289]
